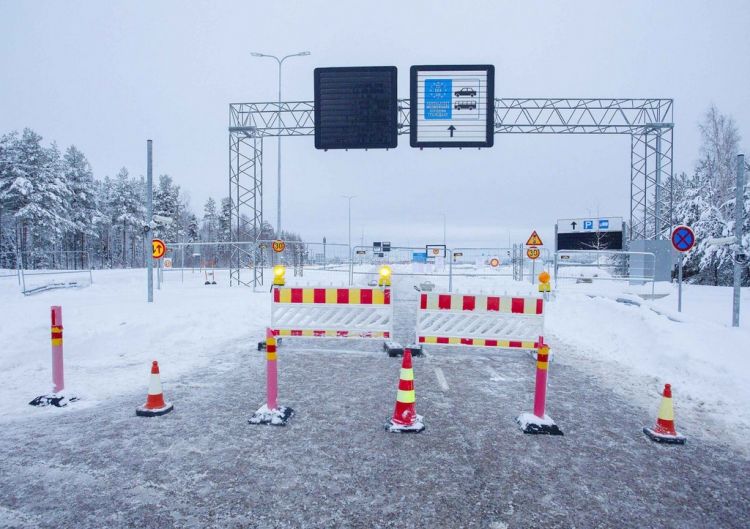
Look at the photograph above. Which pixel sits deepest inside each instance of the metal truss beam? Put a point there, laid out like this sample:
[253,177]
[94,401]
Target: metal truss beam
[647,121]
[245,208]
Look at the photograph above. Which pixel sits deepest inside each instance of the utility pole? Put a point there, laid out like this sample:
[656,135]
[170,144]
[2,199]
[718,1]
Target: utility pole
[739,213]
[349,198]
[149,217]
[279,126]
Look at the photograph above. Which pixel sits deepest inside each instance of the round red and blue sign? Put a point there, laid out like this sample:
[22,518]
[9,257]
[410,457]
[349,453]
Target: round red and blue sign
[683,238]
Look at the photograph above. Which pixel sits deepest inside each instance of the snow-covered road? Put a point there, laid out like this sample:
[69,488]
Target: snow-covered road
[335,466]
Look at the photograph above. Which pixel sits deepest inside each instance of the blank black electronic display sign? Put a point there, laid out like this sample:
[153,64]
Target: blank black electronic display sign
[356,107]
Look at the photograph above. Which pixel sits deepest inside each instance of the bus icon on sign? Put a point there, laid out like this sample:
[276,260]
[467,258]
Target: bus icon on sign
[604,224]
[588,224]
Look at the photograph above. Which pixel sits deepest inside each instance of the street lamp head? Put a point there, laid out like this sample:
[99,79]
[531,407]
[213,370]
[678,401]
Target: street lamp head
[302,53]
[256,54]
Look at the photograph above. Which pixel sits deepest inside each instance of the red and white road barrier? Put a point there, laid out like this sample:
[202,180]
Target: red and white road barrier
[332,312]
[505,322]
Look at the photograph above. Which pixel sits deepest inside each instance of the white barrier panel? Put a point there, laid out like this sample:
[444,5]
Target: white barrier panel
[504,322]
[332,312]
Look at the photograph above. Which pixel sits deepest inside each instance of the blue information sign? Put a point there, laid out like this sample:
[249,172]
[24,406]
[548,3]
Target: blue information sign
[437,98]
[683,238]
[603,224]
[419,257]
[588,224]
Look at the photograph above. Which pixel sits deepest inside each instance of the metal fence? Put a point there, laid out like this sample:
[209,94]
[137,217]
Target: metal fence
[317,260]
[325,263]
[577,267]
[46,260]
[40,270]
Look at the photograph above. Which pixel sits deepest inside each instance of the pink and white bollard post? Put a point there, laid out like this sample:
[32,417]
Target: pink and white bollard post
[58,377]
[271,412]
[539,422]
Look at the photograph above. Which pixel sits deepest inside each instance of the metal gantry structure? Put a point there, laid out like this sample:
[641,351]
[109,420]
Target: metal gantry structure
[648,122]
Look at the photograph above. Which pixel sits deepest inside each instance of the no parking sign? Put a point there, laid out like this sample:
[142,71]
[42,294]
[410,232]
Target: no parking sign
[683,239]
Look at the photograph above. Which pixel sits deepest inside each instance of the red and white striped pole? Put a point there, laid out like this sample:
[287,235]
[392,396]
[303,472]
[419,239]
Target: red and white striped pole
[272,384]
[540,393]
[58,379]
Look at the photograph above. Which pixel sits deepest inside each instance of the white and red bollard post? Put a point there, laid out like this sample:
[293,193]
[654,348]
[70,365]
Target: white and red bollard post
[57,398]
[271,412]
[539,422]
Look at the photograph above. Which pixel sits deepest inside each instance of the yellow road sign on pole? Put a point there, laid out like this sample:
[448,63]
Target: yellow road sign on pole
[534,239]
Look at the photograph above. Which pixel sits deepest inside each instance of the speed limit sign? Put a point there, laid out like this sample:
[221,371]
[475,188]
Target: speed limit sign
[278,246]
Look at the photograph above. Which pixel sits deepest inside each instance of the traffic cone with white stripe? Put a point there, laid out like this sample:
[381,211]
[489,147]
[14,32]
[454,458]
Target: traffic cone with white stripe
[405,418]
[664,431]
[155,404]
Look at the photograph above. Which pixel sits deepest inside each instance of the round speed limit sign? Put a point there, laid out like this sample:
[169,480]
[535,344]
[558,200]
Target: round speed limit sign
[278,246]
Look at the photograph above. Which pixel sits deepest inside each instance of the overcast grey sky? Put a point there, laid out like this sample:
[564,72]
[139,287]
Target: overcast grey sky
[107,75]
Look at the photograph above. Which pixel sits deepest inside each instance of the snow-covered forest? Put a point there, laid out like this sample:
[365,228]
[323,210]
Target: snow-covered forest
[704,199]
[53,208]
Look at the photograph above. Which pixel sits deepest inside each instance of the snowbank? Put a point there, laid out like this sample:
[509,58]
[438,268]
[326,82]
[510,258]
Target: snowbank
[111,334]
[638,348]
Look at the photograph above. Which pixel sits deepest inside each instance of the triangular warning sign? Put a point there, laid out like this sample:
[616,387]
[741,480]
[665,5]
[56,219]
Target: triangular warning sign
[534,240]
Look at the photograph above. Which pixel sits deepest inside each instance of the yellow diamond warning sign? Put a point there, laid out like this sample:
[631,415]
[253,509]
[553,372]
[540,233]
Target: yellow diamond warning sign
[534,240]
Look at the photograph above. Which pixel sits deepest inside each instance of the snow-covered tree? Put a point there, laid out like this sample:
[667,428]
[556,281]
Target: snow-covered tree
[210,222]
[167,204]
[705,200]
[83,210]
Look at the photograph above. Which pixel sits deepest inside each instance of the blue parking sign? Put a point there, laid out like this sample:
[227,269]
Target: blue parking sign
[603,224]
[588,224]
[437,98]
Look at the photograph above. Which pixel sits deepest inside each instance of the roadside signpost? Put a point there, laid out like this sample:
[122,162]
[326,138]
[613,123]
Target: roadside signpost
[534,239]
[356,107]
[593,233]
[683,239]
[533,252]
[452,106]
[158,248]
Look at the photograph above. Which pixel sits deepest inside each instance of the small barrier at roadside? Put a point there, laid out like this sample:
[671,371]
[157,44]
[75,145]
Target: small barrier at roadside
[480,320]
[505,322]
[365,313]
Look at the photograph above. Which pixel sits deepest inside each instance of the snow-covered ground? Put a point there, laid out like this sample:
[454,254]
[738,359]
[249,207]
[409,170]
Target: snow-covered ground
[111,335]
[637,348]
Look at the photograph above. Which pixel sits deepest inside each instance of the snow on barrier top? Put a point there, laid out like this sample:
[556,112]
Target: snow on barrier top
[504,322]
[332,312]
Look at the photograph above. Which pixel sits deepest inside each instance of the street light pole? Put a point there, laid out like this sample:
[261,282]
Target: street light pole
[444,223]
[351,258]
[278,122]
[349,198]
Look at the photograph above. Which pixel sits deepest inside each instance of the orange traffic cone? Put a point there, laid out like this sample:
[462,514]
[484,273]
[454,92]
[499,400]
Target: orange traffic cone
[405,418]
[664,431]
[155,404]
